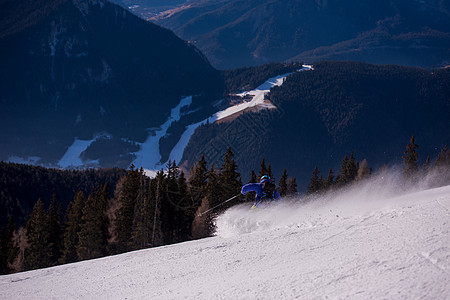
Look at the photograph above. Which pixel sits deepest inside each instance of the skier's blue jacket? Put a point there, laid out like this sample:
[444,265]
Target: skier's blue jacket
[257,187]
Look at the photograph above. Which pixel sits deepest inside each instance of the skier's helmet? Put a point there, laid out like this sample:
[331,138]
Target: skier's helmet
[265,177]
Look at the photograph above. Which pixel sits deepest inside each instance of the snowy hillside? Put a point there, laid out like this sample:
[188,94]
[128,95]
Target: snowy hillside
[369,242]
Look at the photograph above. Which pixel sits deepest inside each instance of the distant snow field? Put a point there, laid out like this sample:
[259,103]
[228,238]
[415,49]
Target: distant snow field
[368,242]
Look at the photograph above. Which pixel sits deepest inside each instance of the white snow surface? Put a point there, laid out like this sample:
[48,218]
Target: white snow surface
[368,242]
[72,156]
[149,156]
[258,96]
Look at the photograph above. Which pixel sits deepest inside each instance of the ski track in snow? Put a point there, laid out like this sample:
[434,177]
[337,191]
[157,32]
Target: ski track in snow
[368,242]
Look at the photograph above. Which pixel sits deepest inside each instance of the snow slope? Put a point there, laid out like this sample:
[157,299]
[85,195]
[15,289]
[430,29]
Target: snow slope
[148,156]
[72,157]
[370,242]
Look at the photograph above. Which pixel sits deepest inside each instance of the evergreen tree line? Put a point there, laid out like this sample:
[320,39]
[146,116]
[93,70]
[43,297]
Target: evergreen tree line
[352,170]
[413,172]
[21,185]
[142,213]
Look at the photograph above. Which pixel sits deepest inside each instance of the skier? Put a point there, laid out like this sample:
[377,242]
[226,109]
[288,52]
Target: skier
[265,190]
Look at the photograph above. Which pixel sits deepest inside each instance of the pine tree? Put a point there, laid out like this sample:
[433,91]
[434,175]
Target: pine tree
[175,212]
[56,229]
[202,225]
[443,158]
[169,204]
[125,213]
[93,234]
[263,169]
[7,249]
[112,213]
[338,180]
[315,183]
[351,170]
[89,237]
[291,186]
[410,159]
[253,178]
[282,184]
[348,172]
[442,166]
[186,211]
[269,173]
[329,182]
[39,252]
[229,180]
[213,189]
[140,235]
[157,185]
[343,179]
[198,181]
[20,245]
[74,215]
[102,200]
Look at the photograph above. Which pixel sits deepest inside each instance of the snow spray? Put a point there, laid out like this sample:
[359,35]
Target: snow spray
[358,199]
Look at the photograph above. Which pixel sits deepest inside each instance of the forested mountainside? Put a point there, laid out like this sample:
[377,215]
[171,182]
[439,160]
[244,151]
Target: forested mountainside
[234,33]
[78,69]
[327,113]
[22,185]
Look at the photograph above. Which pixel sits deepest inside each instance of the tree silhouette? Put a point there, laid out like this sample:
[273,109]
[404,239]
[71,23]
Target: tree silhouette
[70,238]
[410,158]
[39,252]
[329,181]
[315,183]
[282,184]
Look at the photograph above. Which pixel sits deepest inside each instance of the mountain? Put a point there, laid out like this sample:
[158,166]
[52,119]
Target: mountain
[368,243]
[326,113]
[88,75]
[234,33]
